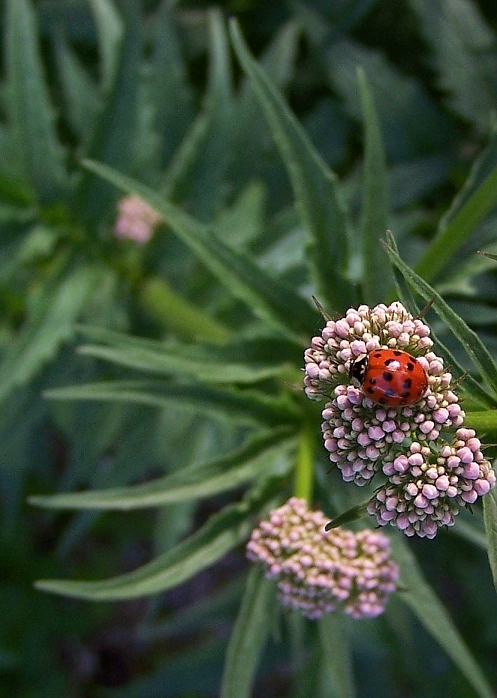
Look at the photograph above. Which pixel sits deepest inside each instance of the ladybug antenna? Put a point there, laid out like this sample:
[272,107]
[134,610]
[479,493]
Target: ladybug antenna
[323,312]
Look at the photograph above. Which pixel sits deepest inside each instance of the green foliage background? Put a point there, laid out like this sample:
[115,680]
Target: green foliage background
[160,379]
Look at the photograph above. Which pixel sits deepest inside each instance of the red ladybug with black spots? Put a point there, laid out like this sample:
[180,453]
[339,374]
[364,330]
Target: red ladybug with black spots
[390,377]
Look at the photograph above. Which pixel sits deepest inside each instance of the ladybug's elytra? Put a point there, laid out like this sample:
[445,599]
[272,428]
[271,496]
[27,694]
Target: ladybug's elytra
[390,377]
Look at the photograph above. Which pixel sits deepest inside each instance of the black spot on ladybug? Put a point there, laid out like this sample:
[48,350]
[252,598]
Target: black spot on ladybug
[410,366]
[397,352]
[407,384]
[390,392]
[387,376]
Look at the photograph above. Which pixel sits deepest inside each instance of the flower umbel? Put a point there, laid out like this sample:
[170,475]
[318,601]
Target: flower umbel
[411,444]
[136,219]
[319,571]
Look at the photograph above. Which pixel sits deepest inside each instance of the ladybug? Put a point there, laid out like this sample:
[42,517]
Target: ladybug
[390,377]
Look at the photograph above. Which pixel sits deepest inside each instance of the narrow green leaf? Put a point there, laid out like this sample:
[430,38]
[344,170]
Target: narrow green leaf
[196,362]
[478,353]
[110,27]
[220,83]
[30,113]
[43,333]
[470,384]
[470,532]
[170,94]
[485,421]
[433,615]
[243,406]
[199,169]
[315,186]
[172,362]
[266,296]
[377,279]
[221,533]
[254,349]
[462,47]
[336,656]
[253,137]
[490,519]
[194,481]
[80,95]
[249,636]
[459,225]
[114,137]
[413,125]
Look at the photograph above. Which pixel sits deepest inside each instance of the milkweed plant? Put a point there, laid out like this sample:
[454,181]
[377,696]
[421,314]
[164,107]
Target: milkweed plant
[208,352]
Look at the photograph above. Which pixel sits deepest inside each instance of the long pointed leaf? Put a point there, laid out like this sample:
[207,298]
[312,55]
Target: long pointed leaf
[456,230]
[461,48]
[315,186]
[199,169]
[472,344]
[111,29]
[218,536]
[490,518]
[336,655]
[190,361]
[471,385]
[80,94]
[244,406]
[172,363]
[194,481]
[29,110]
[253,137]
[113,139]
[377,280]
[171,95]
[268,297]
[249,636]
[42,335]
[432,614]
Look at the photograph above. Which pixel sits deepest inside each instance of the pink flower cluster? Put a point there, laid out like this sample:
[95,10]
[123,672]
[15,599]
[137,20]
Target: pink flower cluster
[136,219]
[429,483]
[319,571]
[364,438]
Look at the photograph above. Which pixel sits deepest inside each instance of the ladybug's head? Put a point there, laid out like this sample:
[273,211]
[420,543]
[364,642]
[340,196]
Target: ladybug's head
[358,368]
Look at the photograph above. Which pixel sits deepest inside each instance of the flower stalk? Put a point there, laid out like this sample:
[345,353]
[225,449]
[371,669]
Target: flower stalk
[305,463]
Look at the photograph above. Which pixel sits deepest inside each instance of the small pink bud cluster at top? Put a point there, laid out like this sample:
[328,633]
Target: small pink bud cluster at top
[136,219]
[363,437]
[319,571]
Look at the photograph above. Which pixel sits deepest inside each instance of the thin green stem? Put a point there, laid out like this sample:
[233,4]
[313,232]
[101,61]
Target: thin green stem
[305,462]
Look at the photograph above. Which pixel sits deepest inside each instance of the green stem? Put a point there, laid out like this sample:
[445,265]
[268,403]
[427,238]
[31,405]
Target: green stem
[174,312]
[305,462]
